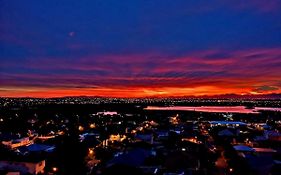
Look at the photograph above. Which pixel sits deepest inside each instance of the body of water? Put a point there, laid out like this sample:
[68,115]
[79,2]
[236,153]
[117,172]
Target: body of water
[218,109]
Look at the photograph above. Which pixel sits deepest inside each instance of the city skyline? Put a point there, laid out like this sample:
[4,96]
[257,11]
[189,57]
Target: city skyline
[139,49]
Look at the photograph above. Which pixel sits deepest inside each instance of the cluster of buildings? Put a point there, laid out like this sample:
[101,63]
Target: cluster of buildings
[142,142]
[230,101]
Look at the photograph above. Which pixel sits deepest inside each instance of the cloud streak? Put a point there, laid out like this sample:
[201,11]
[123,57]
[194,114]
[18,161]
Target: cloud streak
[238,72]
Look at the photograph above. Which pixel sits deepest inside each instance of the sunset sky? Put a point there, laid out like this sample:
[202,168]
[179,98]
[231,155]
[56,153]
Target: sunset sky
[139,48]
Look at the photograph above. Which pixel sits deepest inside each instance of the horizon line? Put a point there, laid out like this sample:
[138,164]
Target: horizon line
[269,96]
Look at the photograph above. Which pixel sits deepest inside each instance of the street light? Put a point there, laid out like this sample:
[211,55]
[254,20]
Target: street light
[55,169]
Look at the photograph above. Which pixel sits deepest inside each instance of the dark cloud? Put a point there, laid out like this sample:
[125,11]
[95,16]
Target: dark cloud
[265,88]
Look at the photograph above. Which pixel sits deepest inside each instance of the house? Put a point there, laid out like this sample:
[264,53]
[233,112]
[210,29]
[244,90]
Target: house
[226,132]
[135,158]
[272,135]
[243,148]
[17,142]
[149,138]
[26,167]
[36,148]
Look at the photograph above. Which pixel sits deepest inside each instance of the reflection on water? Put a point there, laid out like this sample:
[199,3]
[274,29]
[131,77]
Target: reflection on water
[222,109]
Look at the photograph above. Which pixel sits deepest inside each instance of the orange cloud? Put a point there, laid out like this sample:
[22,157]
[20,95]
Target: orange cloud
[122,92]
[210,72]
